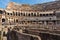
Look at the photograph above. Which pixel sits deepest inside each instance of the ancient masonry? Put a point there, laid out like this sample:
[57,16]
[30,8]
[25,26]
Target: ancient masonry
[38,16]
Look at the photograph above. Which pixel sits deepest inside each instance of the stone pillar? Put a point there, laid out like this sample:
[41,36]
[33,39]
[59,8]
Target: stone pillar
[45,23]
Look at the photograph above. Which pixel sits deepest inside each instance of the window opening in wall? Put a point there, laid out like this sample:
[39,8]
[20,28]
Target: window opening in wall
[16,13]
[54,21]
[16,20]
[11,13]
[8,13]
[43,22]
[54,14]
[43,14]
[34,14]
[28,21]
[50,18]
[1,11]
[34,21]
[40,14]
[47,22]
[50,14]
[24,14]
[19,14]
[37,14]
[28,14]
[4,34]
[46,14]
[3,20]
[31,14]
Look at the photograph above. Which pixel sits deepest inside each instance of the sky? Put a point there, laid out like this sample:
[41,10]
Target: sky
[4,3]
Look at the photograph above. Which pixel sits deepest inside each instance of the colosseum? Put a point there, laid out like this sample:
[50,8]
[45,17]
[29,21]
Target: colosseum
[31,22]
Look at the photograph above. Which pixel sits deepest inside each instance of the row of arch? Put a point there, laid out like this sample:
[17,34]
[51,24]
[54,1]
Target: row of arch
[34,21]
[30,14]
[31,22]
